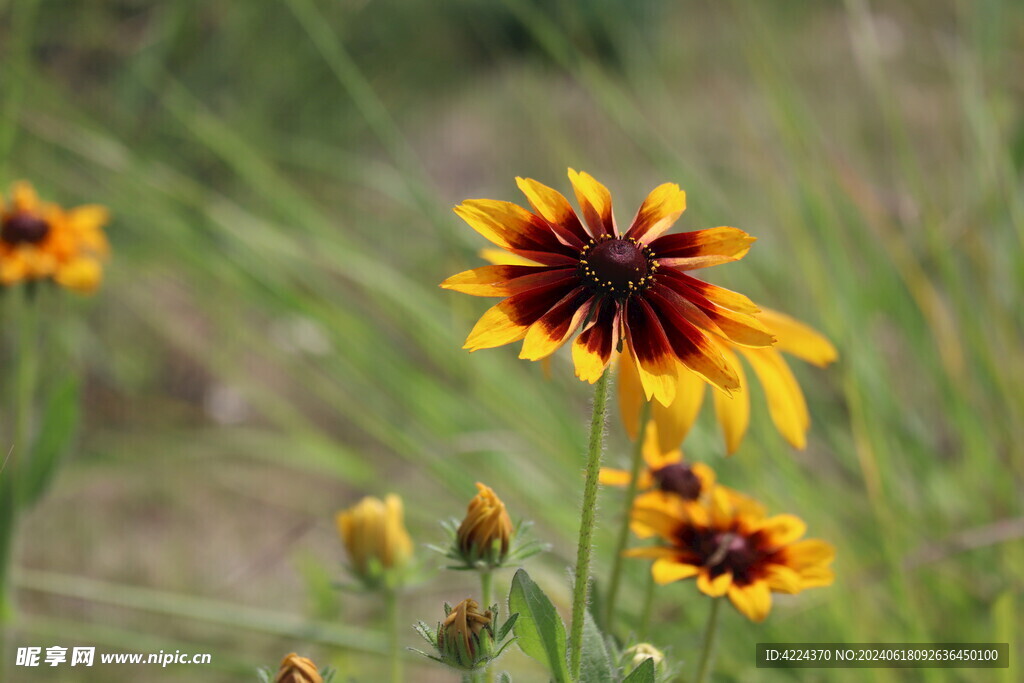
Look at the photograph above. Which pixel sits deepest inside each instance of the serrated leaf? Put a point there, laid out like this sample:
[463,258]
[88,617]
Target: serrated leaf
[59,419]
[595,664]
[642,674]
[539,630]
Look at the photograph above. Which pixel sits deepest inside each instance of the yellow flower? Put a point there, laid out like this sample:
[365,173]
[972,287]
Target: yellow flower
[786,402]
[374,535]
[734,550]
[296,669]
[461,629]
[43,241]
[486,531]
[625,290]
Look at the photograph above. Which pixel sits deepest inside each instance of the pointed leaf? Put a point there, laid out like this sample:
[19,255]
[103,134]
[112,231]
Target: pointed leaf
[642,674]
[58,423]
[539,630]
[595,664]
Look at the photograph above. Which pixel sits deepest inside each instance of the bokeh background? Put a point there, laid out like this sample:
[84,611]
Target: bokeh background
[271,344]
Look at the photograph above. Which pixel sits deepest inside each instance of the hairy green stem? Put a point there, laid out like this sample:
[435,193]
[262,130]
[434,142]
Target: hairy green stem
[627,508]
[394,651]
[707,650]
[581,580]
[486,581]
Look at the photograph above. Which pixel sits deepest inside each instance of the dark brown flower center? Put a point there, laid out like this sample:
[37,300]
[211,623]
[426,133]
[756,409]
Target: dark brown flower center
[23,227]
[679,479]
[733,552]
[617,266]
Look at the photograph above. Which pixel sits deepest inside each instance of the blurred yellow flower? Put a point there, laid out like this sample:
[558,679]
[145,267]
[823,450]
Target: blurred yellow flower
[296,669]
[486,531]
[43,241]
[460,631]
[619,290]
[786,402]
[374,535]
[734,550]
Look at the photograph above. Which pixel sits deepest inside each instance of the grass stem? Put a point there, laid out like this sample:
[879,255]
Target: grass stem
[707,650]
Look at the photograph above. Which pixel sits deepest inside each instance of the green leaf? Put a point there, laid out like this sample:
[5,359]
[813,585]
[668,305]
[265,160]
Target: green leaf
[56,428]
[595,664]
[539,630]
[504,677]
[642,674]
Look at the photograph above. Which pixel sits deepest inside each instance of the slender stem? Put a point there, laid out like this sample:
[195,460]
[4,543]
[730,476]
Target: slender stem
[707,651]
[486,581]
[581,581]
[394,652]
[26,370]
[645,615]
[620,545]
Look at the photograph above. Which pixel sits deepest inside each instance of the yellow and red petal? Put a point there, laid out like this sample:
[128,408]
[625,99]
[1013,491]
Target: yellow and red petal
[654,456]
[554,327]
[553,207]
[657,519]
[713,587]
[781,530]
[666,570]
[691,346]
[652,351]
[508,321]
[609,476]
[82,275]
[783,579]
[595,202]
[24,197]
[702,248]
[809,553]
[799,339]
[500,257]
[504,280]
[733,412]
[815,577]
[652,551]
[693,288]
[705,474]
[663,207]
[786,403]
[592,350]
[514,228]
[754,600]
[631,395]
[675,421]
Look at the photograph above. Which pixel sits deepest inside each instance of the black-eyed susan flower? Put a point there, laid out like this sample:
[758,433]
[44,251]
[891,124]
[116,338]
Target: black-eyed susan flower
[42,241]
[373,532]
[733,549]
[622,290]
[467,639]
[296,669]
[666,474]
[485,534]
[786,402]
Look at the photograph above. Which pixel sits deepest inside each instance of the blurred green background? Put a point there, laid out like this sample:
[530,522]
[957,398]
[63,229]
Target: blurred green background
[271,344]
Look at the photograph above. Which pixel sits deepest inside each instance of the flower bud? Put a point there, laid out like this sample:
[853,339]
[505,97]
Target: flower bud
[296,669]
[375,537]
[636,655]
[460,635]
[486,532]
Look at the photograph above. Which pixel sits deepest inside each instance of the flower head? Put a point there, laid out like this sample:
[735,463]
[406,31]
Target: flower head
[40,241]
[786,402]
[734,550]
[486,531]
[375,537]
[636,655]
[296,669]
[620,290]
[467,639]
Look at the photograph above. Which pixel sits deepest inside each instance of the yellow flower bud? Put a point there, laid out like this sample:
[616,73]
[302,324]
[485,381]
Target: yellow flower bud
[374,533]
[643,651]
[486,529]
[464,623]
[296,669]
